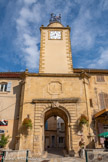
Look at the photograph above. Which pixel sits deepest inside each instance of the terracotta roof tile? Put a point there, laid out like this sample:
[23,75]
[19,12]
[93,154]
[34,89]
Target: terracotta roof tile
[10,74]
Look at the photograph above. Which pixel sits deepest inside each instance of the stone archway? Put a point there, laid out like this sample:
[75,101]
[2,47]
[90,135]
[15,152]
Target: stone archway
[62,113]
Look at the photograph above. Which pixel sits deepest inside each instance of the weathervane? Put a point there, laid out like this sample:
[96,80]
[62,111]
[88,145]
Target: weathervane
[55,18]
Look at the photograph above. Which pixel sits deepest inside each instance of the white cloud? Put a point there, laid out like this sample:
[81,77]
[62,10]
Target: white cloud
[26,38]
[21,22]
[33,14]
[29,2]
[104,5]
[82,37]
[25,13]
[101,61]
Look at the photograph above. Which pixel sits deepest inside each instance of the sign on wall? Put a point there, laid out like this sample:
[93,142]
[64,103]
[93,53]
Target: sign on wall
[2,131]
[3,122]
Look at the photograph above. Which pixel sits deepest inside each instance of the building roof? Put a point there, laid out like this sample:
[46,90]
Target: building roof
[10,74]
[103,112]
[102,71]
[75,70]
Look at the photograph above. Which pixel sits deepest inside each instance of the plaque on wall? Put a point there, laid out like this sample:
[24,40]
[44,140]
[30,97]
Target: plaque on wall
[55,87]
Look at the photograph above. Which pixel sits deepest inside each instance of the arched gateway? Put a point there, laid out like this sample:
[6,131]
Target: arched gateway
[62,113]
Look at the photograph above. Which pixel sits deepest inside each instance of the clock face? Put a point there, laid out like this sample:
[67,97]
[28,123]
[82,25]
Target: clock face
[55,34]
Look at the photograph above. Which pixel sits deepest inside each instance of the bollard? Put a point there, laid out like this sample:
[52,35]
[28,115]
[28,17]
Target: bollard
[86,155]
[3,154]
[27,156]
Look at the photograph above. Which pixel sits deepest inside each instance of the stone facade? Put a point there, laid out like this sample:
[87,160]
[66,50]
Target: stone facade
[10,105]
[69,98]
[67,93]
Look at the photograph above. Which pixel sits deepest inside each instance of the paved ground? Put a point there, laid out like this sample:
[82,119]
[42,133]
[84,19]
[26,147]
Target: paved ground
[65,159]
[54,155]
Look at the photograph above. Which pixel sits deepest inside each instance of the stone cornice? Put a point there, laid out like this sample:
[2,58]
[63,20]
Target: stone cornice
[62,100]
[93,71]
[51,75]
[43,27]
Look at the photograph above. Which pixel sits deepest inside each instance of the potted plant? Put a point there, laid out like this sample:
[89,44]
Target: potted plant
[4,140]
[82,145]
[27,123]
[83,120]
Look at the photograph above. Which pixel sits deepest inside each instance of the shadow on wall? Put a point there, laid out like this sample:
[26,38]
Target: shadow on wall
[17,91]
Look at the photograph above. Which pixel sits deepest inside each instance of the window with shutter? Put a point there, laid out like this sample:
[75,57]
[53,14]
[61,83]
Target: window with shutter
[100,78]
[3,86]
[102,102]
[103,97]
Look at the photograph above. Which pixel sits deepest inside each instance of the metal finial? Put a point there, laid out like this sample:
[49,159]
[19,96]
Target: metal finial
[55,18]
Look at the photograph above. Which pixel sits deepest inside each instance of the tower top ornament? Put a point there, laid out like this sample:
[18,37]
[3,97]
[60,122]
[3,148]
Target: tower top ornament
[55,18]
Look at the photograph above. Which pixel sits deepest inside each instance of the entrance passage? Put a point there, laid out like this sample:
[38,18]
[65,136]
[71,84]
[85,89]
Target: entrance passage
[56,131]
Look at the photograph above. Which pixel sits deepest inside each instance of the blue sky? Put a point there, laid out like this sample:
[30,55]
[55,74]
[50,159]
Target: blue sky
[20,36]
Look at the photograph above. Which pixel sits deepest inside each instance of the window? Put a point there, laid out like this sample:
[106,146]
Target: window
[91,102]
[2,131]
[61,139]
[5,87]
[46,125]
[100,78]
[62,126]
[105,128]
[103,97]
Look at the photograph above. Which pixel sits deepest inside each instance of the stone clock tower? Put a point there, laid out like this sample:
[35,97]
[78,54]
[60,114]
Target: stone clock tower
[55,49]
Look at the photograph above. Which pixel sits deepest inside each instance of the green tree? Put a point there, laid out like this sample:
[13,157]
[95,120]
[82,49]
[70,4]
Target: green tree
[4,140]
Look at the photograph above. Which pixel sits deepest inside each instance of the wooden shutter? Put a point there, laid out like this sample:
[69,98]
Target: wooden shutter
[9,86]
[106,100]
[102,102]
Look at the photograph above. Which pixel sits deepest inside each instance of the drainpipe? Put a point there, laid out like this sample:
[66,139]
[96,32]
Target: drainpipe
[86,97]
